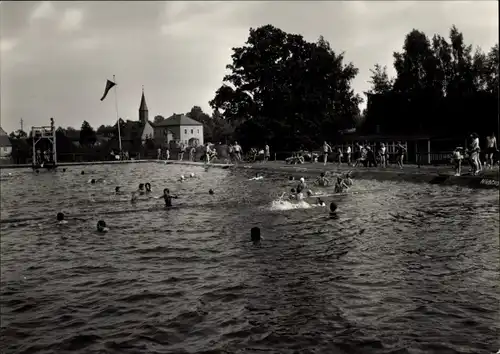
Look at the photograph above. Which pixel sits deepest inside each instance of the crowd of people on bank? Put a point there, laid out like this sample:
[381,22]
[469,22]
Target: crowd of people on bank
[366,154]
[474,156]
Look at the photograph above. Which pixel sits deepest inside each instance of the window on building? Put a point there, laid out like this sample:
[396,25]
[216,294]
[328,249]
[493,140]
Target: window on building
[185,131]
[198,131]
[191,131]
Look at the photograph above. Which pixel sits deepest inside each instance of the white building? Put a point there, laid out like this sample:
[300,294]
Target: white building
[5,145]
[179,129]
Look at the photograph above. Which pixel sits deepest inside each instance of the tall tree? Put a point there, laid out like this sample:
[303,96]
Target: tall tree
[380,81]
[285,90]
[415,65]
[87,135]
[462,81]
[491,71]
[18,134]
[158,119]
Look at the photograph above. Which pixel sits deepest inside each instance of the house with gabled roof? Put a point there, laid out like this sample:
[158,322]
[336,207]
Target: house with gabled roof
[178,129]
[5,144]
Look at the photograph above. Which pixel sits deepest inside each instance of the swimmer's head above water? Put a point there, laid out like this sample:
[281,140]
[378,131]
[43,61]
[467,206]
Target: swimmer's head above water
[320,202]
[117,189]
[166,191]
[92,181]
[211,191]
[255,235]
[291,178]
[82,173]
[333,208]
[60,217]
[148,187]
[141,186]
[101,226]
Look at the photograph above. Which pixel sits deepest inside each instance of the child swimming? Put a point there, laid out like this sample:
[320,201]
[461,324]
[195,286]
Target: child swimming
[322,181]
[168,197]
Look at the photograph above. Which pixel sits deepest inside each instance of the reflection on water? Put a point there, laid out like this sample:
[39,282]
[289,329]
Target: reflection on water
[403,269]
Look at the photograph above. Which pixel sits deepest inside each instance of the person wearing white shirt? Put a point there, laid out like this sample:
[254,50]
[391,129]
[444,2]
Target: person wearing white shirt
[348,153]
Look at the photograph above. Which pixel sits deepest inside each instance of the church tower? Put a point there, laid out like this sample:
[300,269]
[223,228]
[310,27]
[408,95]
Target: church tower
[143,109]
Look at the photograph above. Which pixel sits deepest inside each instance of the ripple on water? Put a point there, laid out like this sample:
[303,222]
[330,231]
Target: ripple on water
[403,269]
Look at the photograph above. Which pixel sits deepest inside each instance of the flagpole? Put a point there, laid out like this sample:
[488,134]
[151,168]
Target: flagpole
[118,119]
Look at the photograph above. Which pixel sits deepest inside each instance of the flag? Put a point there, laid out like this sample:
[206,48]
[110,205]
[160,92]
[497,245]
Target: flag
[109,86]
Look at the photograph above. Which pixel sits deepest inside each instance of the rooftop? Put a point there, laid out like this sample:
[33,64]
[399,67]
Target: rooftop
[177,120]
[4,139]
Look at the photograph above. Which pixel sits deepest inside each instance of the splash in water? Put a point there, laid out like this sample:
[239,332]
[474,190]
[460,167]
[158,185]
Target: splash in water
[286,205]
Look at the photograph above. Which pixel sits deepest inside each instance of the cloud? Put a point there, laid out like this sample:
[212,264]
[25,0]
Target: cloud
[43,10]
[7,44]
[71,19]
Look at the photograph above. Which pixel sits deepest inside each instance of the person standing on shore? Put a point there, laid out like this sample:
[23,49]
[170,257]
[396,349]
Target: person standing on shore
[159,154]
[348,153]
[382,154]
[339,155]
[237,151]
[192,153]
[400,154]
[181,151]
[474,154]
[491,150]
[457,160]
[267,153]
[326,150]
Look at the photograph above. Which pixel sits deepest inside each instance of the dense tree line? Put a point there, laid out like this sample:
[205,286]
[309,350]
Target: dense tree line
[441,87]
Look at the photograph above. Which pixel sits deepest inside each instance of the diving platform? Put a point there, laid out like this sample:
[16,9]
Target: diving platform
[44,146]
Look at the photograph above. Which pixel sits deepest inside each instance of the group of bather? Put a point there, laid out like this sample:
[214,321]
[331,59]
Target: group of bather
[341,184]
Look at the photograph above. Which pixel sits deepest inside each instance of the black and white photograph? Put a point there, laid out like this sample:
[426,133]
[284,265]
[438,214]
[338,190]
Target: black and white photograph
[249,177]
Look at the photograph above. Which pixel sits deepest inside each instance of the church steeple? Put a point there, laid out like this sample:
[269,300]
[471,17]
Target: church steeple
[143,109]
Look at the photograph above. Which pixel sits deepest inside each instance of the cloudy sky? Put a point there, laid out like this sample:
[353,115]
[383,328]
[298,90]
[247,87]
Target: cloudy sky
[55,57]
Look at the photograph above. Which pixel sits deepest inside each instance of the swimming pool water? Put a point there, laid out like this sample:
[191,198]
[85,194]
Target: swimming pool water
[406,268]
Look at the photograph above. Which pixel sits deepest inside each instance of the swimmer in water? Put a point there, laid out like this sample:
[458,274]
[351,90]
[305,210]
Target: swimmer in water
[181,178]
[101,226]
[300,188]
[94,180]
[348,179]
[168,197]
[117,190]
[258,176]
[333,209]
[211,192]
[320,202]
[340,186]
[60,219]
[291,178]
[148,187]
[322,181]
[192,175]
